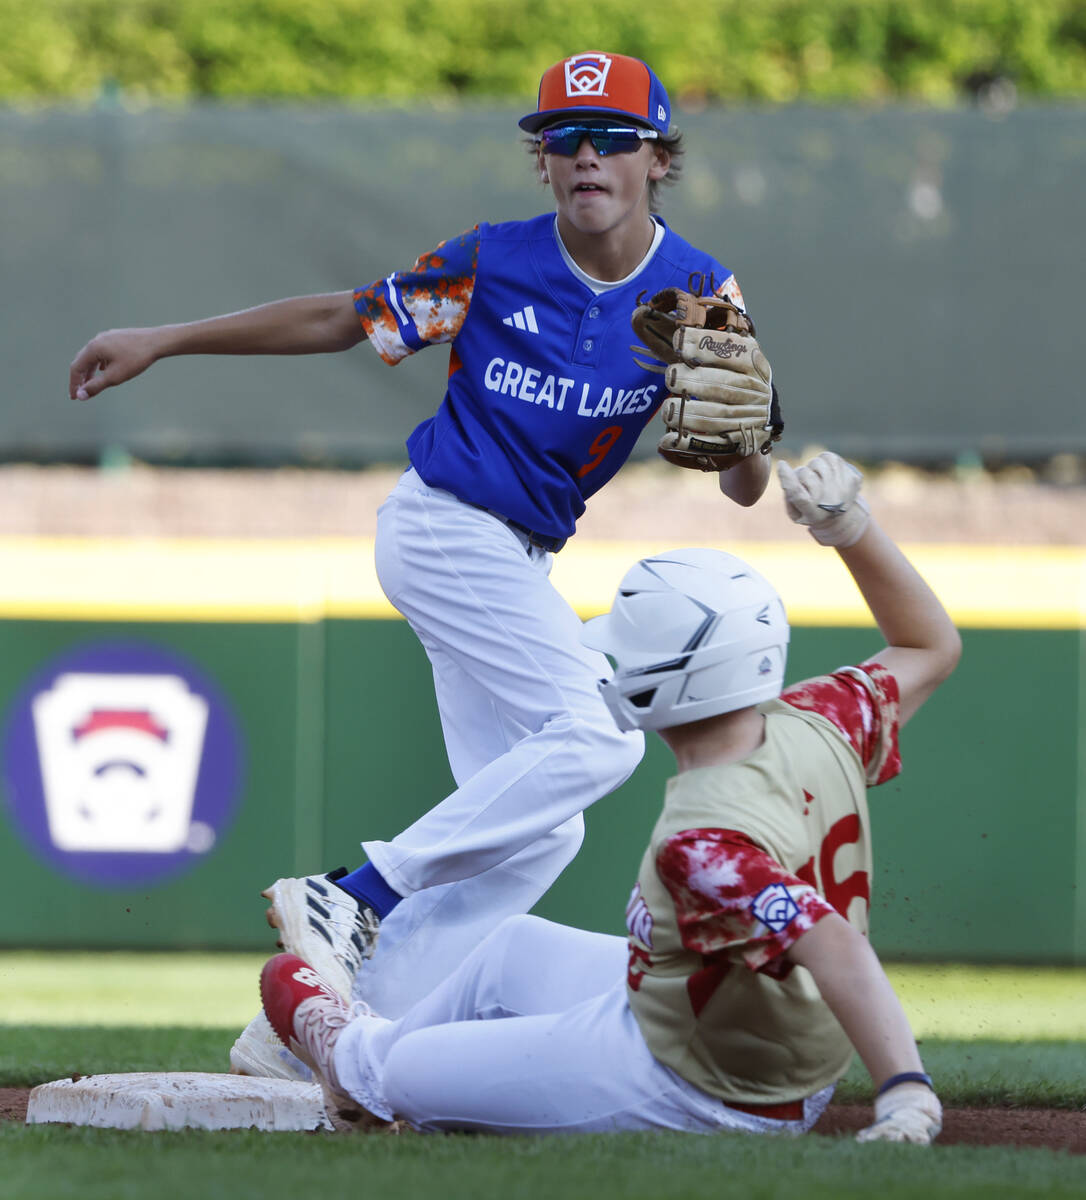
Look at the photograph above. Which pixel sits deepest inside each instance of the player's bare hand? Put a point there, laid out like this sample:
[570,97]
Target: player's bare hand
[110,358]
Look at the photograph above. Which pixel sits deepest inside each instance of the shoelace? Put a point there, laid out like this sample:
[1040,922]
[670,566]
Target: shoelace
[317,1026]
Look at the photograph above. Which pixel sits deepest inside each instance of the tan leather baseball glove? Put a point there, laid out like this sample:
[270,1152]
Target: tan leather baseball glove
[722,405]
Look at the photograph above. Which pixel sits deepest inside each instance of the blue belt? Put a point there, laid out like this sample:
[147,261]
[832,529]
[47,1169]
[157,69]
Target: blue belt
[544,541]
[551,544]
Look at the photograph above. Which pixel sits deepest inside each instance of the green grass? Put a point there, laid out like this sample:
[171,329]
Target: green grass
[220,990]
[91,1164]
[1025,1074]
[113,988]
[1013,1003]
[33,1054]
[990,1036]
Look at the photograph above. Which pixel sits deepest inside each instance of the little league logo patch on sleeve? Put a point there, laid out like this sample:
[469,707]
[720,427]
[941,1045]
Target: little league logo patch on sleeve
[122,764]
[774,907]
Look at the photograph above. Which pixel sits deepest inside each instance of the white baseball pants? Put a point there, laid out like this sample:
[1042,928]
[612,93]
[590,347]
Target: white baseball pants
[529,740]
[532,1035]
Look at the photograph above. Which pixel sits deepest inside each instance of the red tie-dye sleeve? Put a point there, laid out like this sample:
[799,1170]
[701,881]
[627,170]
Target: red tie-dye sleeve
[427,305]
[862,702]
[732,900]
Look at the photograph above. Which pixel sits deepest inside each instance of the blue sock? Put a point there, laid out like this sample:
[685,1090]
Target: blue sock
[368,886]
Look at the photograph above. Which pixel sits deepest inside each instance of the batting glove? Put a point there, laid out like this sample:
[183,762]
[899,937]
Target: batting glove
[909,1112]
[825,496]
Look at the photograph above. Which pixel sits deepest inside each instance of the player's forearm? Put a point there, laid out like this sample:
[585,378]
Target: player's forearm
[854,986]
[923,647]
[746,481]
[300,325]
[907,611]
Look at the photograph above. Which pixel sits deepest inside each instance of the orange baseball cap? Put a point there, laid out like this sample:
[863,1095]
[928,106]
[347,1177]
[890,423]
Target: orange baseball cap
[595,84]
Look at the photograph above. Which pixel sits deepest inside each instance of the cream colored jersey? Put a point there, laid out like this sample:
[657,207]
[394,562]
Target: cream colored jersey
[744,859]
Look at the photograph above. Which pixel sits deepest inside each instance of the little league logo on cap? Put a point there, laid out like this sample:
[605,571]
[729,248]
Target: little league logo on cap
[121,764]
[586,75]
[600,85]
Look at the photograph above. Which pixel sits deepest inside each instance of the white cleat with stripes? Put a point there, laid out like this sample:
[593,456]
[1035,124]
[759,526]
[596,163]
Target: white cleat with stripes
[323,925]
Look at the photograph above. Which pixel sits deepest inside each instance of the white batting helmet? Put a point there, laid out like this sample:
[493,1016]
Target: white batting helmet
[692,633]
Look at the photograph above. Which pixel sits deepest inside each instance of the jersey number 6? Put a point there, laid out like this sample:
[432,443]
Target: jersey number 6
[839,892]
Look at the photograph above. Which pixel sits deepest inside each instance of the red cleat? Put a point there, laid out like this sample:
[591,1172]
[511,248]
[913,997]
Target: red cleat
[308,1016]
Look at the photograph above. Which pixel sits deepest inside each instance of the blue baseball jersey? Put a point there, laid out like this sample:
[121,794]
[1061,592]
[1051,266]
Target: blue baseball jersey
[544,401]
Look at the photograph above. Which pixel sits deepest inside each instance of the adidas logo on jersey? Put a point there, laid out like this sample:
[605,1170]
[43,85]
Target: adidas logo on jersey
[525,319]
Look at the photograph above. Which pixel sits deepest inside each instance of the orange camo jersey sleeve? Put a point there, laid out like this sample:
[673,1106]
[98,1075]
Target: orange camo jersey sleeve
[729,290]
[425,306]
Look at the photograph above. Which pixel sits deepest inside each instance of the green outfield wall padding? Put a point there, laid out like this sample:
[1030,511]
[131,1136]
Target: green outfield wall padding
[259,672]
[886,253]
[318,734]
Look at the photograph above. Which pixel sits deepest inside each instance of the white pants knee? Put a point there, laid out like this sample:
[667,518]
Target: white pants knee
[530,741]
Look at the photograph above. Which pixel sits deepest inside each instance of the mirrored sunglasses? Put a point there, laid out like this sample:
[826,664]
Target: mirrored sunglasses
[606,139]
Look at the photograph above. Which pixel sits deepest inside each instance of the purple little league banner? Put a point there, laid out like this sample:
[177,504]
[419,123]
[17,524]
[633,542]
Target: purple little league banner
[122,764]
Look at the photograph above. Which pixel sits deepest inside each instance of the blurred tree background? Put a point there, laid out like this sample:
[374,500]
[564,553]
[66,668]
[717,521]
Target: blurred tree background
[894,168]
[773,51]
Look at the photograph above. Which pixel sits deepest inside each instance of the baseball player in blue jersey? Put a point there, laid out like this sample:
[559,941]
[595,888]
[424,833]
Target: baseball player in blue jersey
[544,403]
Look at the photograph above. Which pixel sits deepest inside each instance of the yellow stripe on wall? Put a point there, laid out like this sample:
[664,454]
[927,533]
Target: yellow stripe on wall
[1027,587]
[115,579]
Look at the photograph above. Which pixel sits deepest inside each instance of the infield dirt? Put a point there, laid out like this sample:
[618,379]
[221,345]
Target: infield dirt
[1052,1129]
